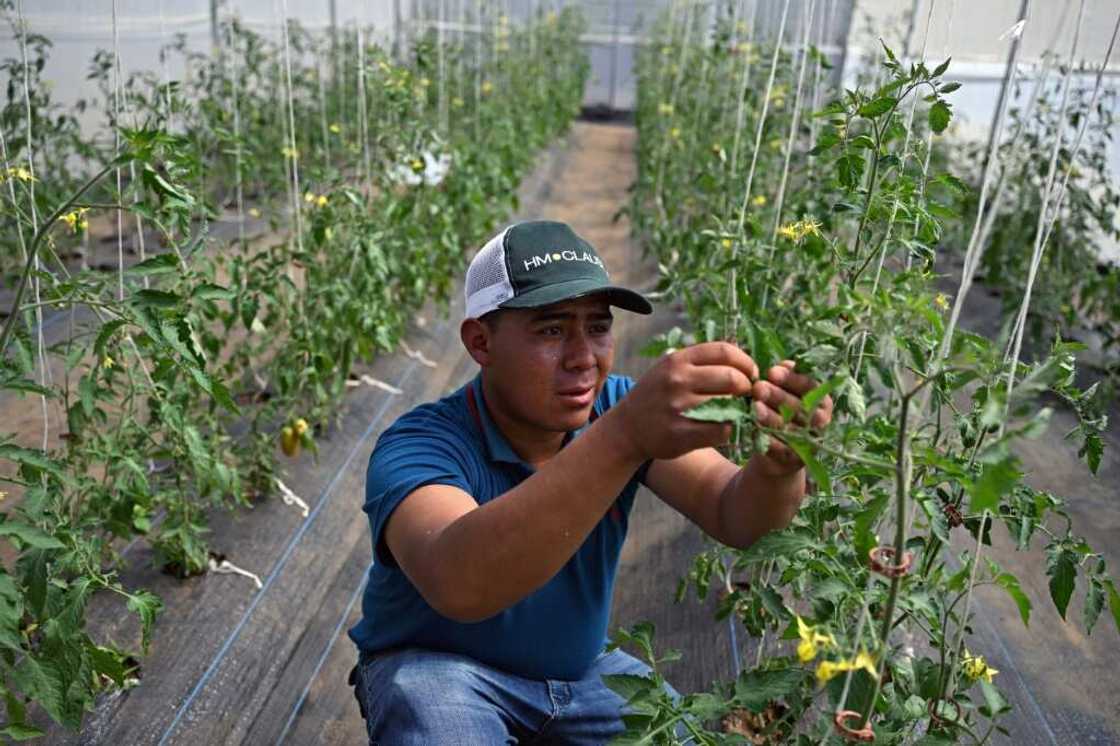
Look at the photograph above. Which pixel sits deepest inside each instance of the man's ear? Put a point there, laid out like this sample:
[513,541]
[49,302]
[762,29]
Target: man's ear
[476,338]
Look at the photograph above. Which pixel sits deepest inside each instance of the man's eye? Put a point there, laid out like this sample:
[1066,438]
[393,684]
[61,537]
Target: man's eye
[603,328]
[551,331]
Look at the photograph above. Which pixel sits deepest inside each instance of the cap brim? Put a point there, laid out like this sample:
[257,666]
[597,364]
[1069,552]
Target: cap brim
[562,291]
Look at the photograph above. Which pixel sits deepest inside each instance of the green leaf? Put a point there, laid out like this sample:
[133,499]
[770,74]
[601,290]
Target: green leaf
[939,116]
[777,544]
[29,457]
[30,535]
[810,401]
[160,264]
[994,702]
[754,690]
[103,336]
[949,87]
[849,169]
[21,732]
[1113,601]
[1061,566]
[628,686]
[145,605]
[996,480]
[720,409]
[155,299]
[1094,602]
[816,469]
[877,107]
[210,291]
[1010,583]
[940,69]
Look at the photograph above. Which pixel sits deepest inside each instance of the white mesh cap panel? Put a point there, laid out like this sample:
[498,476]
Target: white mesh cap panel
[488,282]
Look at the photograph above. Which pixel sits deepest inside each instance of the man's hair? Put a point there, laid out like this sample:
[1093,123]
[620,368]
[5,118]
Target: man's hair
[491,318]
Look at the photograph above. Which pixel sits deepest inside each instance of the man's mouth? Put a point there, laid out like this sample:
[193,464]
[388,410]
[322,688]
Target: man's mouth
[577,396]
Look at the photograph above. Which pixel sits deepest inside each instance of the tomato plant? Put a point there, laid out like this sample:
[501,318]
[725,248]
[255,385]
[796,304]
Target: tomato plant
[810,232]
[194,363]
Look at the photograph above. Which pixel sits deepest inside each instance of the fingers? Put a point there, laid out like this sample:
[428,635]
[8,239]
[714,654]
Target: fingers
[796,383]
[723,353]
[773,397]
[718,380]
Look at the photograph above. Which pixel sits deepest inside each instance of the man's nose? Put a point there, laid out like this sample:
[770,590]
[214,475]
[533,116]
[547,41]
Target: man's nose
[578,352]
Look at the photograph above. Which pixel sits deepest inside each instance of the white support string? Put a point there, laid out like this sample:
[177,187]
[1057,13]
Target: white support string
[791,141]
[363,121]
[1041,237]
[291,498]
[41,346]
[367,380]
[894,209]
[745,79]
[975,250]
[117,150]
[826,24]
[762,121]
[417,355]
[225,567]
[294,155]
[929,132]
[234,73]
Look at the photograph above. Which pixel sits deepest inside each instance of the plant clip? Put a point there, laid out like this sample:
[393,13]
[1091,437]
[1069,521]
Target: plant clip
[881,558]
[952,515]
[864,734]
[936,719]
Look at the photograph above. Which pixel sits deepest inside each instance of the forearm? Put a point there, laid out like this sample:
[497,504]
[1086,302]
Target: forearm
[493,556]
[755,502]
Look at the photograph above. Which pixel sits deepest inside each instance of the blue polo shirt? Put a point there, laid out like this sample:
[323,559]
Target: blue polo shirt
[554,633]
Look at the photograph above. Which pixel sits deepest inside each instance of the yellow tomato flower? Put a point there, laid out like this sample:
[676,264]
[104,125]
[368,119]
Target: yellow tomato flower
[424,82]
[288,152]
[417,165]
[665,109]
[321,201]
[789,231]
[335,128]
[828,670]
[726,243]
[457,103]
[254,212]
[675,133]
[76,219]
[487,86]
[759,200]
[107,362]
[811,641]
[975,667]
[941,301]
[809,228]
[19,173]
[308,197]
[383,66]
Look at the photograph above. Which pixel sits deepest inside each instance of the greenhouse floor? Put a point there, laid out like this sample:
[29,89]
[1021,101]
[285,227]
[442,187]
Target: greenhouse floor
[231,664]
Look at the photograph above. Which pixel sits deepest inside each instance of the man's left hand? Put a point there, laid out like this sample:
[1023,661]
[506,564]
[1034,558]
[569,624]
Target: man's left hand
[782,386]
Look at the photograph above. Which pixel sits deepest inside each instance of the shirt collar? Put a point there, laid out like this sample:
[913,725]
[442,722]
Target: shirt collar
[497,447]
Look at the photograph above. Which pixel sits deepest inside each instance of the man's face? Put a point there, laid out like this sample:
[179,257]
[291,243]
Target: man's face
[549,364]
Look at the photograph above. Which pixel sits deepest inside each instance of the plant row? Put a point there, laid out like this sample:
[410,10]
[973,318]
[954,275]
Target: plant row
[804,222]
[193,361]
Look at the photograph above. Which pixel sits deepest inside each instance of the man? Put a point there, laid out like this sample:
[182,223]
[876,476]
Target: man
[498,512]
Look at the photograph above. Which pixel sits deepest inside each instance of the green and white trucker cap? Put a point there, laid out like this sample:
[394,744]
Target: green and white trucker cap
[537,263]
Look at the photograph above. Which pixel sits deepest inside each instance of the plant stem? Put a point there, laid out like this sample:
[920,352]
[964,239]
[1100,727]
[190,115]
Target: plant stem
[902,492]
[33,250]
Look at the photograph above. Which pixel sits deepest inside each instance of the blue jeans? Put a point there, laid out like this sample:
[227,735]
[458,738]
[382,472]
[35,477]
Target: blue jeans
[419,697]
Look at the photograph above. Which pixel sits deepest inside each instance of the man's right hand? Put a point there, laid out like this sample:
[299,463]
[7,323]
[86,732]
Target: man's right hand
[649,419]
